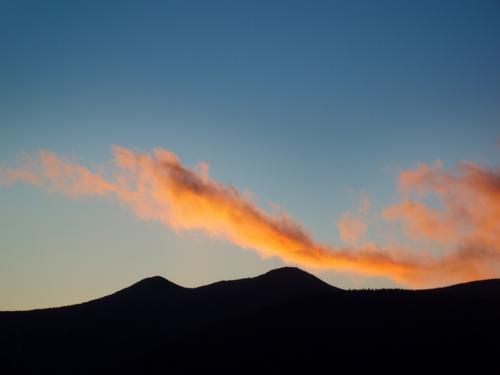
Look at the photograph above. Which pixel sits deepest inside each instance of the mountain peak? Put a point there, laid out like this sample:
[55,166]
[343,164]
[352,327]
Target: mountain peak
[148,289]
[154,280]
[289,271]
[293,277]
[154,283]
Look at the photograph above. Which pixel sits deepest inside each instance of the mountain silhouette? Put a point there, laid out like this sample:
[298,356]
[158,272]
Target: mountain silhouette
[150,290]
[283,321]
[484,289]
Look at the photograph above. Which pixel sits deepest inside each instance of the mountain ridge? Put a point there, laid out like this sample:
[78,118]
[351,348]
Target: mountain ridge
[279,280]
[281,321]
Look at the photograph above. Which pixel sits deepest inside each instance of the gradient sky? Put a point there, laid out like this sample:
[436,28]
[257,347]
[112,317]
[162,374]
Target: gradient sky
[309,105]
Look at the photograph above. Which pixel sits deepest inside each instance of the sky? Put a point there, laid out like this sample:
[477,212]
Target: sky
[358,128]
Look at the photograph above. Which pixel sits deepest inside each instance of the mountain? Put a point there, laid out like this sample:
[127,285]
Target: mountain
[283,321]
[483,289]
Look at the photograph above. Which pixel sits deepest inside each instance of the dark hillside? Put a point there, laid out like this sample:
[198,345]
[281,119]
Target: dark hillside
[283,321]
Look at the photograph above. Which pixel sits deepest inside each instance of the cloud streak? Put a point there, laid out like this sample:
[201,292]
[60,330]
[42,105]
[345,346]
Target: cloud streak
[158,187]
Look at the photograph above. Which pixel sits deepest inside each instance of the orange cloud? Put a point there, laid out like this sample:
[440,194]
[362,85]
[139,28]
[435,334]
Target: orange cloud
[57,174]
[350,228]
[159,187]
[469,204]
[422,222]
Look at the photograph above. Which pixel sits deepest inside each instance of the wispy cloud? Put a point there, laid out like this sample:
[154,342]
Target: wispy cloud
[158,187]
[352,226]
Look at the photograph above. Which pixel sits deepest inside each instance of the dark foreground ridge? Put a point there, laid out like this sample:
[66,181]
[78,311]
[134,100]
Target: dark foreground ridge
[284,321]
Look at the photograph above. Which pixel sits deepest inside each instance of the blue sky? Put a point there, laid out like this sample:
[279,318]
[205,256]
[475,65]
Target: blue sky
[306,103]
